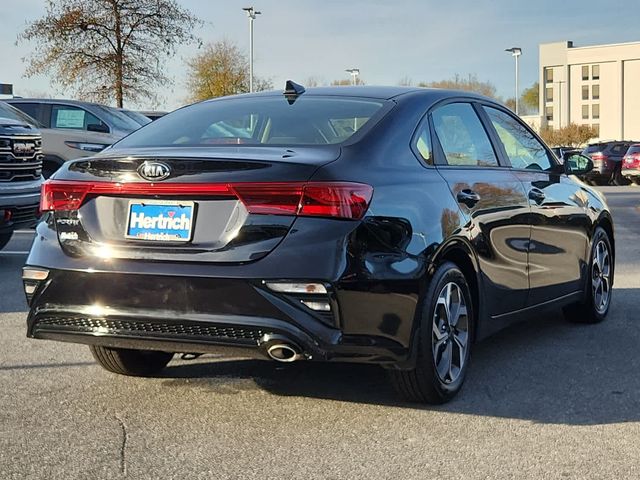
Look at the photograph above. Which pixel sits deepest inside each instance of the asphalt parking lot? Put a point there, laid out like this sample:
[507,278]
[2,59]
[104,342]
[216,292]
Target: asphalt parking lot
[544,399]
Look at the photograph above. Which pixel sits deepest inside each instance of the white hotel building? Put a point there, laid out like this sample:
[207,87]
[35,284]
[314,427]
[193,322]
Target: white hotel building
[597,85]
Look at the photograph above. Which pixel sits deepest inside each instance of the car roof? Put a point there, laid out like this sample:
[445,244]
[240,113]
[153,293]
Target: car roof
[367,91]
[51,100]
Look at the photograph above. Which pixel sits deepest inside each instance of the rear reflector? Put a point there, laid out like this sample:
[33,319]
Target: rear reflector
[305,288]
[34,274]
[315,199]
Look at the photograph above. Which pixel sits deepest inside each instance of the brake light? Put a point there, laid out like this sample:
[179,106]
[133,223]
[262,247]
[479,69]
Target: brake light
[321,199]
[632,160]
[598,157]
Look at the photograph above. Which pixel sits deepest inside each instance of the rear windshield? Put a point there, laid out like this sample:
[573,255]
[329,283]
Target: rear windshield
[619,148]
[12,113]
[310,120]
[595,148]
[634,149]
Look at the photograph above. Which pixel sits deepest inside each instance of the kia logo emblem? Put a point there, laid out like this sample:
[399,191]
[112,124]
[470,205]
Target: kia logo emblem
[154,170]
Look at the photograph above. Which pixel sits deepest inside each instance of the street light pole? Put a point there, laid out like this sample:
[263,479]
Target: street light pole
[251,14]
[354,74]
[516,52]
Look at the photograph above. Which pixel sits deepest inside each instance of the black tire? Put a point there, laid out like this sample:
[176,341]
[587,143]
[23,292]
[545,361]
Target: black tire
[636,180]
[592,309]
[4,239]
[137,363]
[424,383]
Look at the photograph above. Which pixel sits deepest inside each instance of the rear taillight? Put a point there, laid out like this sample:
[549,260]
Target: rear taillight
[631,161]
[321,199]
[598,157]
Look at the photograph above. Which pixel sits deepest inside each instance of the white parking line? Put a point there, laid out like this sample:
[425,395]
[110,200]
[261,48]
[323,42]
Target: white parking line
[13,252]
[24,232]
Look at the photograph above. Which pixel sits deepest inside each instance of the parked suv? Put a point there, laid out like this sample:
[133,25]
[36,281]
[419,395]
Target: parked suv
[607,162]
[82,128]
[20,173]
[631,164]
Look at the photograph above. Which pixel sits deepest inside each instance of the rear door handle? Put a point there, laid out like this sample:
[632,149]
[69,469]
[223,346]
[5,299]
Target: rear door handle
[537,195]
[468,197]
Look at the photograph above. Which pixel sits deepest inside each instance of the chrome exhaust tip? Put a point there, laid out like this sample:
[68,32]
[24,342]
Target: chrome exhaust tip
[282,352]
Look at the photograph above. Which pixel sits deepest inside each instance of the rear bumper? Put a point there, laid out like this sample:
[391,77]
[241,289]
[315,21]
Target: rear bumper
[194,315]
[631,172]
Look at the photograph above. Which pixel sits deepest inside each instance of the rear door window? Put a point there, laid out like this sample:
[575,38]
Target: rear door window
[523,149]
[633,149]
[462,136]
[66,116]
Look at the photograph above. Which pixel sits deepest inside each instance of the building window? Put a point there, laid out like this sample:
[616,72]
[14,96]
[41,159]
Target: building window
[585,72]
[596,127]
[595,72]
[585,112]
[595,110]
[585,92]
[548,75]
[549,114]
[595,92]
[549,94]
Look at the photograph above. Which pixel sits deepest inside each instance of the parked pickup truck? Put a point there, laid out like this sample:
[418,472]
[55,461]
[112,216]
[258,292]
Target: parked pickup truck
[20,175]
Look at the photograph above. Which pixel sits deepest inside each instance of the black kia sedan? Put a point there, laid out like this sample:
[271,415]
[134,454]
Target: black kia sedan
[382,225]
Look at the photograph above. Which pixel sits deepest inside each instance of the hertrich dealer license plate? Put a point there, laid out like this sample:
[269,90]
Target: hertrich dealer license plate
[163,221]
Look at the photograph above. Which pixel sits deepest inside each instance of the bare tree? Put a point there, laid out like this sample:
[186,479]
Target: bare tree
[108,49]
[571,135]
[220,69]
[469,83]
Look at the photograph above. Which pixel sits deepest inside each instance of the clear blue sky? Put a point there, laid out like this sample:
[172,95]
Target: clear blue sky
[387,40]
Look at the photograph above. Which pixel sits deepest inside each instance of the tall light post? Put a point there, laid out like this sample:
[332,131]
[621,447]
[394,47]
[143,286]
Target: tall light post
[516,52]
[251,14]
[354,75]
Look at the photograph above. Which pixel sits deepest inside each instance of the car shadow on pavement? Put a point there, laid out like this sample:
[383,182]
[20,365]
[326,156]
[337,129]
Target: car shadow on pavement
[544,370]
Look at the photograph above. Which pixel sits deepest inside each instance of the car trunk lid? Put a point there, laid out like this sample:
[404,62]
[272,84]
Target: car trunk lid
[214,205]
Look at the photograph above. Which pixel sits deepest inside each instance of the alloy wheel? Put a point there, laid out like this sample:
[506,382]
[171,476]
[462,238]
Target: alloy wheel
[450,333]
[601,277]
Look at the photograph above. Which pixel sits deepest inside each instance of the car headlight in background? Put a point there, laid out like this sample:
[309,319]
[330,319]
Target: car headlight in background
[87,147]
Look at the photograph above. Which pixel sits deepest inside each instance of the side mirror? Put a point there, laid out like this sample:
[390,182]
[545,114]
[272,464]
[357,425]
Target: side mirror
[98,127]
[577,164]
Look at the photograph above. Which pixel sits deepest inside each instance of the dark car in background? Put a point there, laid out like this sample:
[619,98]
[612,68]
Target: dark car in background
[153,114]
[607,162]
[631,164]
[384,225]
[137,117]
[20,173]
